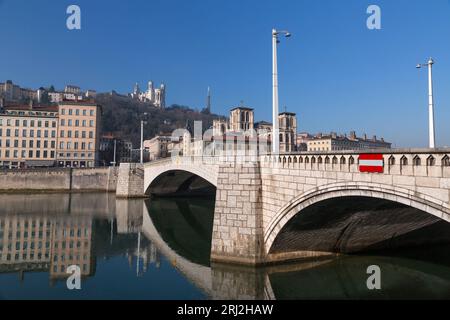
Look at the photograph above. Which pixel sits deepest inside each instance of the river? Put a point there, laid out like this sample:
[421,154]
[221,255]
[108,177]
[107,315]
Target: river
[159,249]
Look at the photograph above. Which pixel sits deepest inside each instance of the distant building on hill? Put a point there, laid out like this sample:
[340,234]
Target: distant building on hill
[155,96]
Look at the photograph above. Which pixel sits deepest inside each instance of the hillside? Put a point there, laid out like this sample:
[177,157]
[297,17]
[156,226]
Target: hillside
[121,115]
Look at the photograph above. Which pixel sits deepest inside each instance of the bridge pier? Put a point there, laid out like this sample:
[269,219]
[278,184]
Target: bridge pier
[238,235]
[130,181]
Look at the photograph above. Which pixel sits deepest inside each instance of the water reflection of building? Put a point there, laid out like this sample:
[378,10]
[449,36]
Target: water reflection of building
[72,245]
[39,243]
[25,243]
[129,219]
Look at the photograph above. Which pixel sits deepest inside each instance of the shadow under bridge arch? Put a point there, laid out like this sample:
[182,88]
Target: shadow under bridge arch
[178,182]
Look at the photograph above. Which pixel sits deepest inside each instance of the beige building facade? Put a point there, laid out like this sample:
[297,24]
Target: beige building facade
[28,136]
[79,134]
[333,142]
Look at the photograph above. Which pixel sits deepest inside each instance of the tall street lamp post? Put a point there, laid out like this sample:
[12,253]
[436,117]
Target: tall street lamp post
[142,137]
[431,134]
[275,133]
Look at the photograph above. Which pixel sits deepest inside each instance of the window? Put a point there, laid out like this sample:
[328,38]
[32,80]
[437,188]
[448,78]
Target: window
[77,123]
[70,112]
[24,133]
[61,145]
[91,113]
[61,134]
[16,132]
[31,143]
[38,153]
[24,123]
[31,133]
[91,135]
[70,123]
[91,123]
[63,122]
[30,154]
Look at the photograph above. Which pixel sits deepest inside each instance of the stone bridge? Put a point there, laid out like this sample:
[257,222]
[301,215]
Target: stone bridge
[259,198]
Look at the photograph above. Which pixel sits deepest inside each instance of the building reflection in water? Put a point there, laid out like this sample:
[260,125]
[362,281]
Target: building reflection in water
[35,239]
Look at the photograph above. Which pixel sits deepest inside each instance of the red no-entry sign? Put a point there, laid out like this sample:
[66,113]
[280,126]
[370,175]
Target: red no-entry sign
[373,163]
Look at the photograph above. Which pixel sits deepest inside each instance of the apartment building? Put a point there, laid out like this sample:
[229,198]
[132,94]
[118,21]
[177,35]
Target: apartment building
[28,136]
[79,134]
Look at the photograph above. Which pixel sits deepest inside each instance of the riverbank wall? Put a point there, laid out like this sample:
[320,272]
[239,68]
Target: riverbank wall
[59,180]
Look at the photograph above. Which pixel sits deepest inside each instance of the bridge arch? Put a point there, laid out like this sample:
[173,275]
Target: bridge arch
[153,172]
[403,196]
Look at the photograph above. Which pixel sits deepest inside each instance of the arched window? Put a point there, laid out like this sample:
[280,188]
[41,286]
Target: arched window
[306,160]
[431,161]
[351,160]
[313,160]
[319,160]
[404,161]
[327,160]
[391,160]
[335,160]
[342,160]
[417,161]
[446,161]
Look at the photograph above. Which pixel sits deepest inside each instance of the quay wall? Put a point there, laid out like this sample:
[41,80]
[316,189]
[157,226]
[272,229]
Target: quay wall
[59,179]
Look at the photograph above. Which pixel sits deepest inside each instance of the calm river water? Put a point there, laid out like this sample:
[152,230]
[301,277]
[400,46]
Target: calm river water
[159,249]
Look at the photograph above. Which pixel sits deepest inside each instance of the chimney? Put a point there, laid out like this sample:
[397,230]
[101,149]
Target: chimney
[365,136]
[352,135]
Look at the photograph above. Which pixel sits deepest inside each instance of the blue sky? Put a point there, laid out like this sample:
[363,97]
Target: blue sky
[334,73]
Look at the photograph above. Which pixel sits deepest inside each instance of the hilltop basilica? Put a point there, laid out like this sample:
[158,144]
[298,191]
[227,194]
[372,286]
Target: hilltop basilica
[155,96]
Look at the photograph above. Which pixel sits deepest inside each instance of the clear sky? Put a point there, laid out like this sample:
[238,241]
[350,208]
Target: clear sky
[336,74]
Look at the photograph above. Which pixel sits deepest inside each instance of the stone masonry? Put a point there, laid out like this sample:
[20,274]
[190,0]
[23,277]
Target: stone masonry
[238,228]
[130,183]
